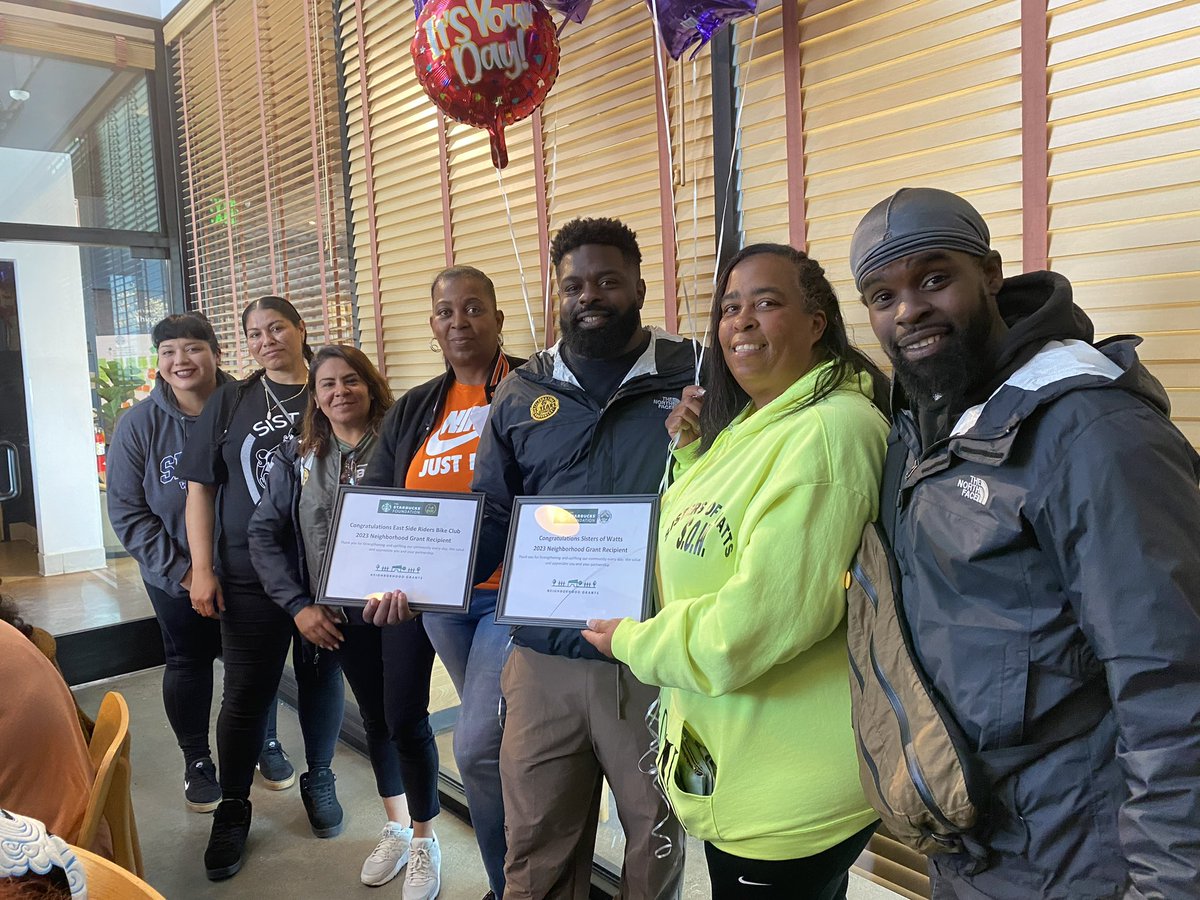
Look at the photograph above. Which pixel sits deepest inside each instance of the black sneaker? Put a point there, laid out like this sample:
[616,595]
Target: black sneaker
[200,787]
[275,768]
[227,841]
[321,802]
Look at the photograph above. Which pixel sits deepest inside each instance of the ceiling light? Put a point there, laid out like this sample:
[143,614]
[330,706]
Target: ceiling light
[19,95]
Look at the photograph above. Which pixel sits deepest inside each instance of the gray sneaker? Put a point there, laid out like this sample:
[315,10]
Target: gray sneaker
[423,879]
[389,856]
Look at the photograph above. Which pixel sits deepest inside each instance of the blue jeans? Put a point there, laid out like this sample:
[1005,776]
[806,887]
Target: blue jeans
[473,649]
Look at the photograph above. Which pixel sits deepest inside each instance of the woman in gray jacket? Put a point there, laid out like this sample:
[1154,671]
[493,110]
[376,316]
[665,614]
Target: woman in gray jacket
[287,536]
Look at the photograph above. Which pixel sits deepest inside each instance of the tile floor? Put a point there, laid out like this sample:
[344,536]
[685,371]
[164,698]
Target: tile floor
[75,602]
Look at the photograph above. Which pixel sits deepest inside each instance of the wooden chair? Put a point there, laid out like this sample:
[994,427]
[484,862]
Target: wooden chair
[108,881]
[887,862]
[110,799]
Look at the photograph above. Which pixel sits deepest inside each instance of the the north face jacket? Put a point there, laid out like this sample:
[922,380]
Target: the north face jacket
[1049,551]
[546,435]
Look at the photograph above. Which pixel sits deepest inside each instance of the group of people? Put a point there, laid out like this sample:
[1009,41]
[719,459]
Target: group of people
[1045,531]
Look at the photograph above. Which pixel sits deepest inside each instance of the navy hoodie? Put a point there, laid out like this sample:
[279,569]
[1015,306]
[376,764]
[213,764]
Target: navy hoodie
[145,500]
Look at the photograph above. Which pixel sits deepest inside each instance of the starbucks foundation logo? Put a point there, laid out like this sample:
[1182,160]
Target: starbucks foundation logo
[543,407]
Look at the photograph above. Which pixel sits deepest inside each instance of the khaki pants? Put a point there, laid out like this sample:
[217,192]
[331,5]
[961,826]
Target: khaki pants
[569,722]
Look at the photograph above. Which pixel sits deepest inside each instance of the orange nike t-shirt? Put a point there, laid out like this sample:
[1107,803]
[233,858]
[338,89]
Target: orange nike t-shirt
[446,460]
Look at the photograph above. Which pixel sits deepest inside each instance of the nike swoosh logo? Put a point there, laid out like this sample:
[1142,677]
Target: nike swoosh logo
[742,880]
[438,445]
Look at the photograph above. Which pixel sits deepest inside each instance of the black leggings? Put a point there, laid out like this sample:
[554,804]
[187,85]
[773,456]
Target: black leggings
[255,634]
[407,664]
[191,643]
[824,876]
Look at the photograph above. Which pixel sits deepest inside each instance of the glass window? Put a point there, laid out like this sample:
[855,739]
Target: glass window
[76,144]
[123,298]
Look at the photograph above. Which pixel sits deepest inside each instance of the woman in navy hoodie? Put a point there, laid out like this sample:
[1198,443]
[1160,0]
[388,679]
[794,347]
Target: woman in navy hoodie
[145,504]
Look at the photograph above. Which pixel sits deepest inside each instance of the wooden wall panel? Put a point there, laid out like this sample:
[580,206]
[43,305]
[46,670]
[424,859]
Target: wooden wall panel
[1124,87]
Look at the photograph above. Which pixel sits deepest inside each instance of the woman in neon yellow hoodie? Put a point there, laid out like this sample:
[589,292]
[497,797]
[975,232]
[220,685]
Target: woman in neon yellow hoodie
[755,538]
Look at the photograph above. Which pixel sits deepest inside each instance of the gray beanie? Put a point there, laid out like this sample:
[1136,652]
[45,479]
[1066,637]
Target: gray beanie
[913,220]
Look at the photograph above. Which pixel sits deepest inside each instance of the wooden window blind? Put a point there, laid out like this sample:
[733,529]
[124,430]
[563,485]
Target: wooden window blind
[395,179]
[1124,192]
[40,31]
[261,165]
[763,169]
[894,94]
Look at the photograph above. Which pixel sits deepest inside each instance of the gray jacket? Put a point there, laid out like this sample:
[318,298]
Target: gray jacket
[1049,551]
[290,526]
[145,500]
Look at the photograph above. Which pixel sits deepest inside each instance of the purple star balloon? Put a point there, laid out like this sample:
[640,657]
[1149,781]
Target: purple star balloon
[687,23]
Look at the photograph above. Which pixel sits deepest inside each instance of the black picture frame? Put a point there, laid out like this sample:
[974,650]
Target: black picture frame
[344,491]
[523,505]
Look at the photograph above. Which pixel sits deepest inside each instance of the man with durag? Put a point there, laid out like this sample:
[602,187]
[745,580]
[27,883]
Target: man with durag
[1047,533]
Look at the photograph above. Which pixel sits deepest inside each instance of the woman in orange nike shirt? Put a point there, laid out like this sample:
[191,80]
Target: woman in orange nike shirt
[428,442]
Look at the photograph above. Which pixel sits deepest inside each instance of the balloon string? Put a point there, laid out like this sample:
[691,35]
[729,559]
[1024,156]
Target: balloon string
[695,211]
[512,233]
[648,765]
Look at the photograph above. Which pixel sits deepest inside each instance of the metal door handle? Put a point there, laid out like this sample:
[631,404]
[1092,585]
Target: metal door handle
[14,471]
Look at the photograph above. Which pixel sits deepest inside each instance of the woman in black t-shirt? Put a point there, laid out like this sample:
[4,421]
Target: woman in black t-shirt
[225,463]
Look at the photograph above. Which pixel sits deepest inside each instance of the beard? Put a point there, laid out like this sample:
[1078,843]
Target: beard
[950,374]
[603,342]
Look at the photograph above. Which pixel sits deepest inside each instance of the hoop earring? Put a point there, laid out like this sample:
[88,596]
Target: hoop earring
[500,339]
[433,345]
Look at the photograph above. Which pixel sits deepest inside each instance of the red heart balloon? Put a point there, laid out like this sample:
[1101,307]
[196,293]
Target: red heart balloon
[486,63]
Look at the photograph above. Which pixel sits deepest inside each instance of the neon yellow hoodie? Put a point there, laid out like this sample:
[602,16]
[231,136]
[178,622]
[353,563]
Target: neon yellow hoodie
[755,538]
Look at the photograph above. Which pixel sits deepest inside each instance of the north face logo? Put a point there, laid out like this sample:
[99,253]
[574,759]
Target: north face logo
[974,488]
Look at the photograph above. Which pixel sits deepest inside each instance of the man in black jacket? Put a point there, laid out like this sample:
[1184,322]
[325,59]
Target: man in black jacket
[585,417]
[1047,532]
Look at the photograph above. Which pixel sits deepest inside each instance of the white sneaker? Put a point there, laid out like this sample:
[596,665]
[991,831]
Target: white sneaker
[423,879]
[389,855]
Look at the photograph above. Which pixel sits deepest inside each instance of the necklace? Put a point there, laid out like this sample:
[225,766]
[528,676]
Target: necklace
[272,399]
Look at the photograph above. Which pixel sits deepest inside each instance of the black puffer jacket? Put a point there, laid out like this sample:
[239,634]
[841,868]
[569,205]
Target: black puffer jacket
[1050,556]
[546,435]
[409,421]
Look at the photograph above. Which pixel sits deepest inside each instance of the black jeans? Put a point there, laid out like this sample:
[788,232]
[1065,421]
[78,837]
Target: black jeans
[407,665]
[191,643]
[255,634]
[824,876]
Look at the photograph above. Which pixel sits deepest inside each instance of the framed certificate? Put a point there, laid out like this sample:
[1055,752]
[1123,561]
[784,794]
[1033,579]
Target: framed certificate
[571,559]
[390,539]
